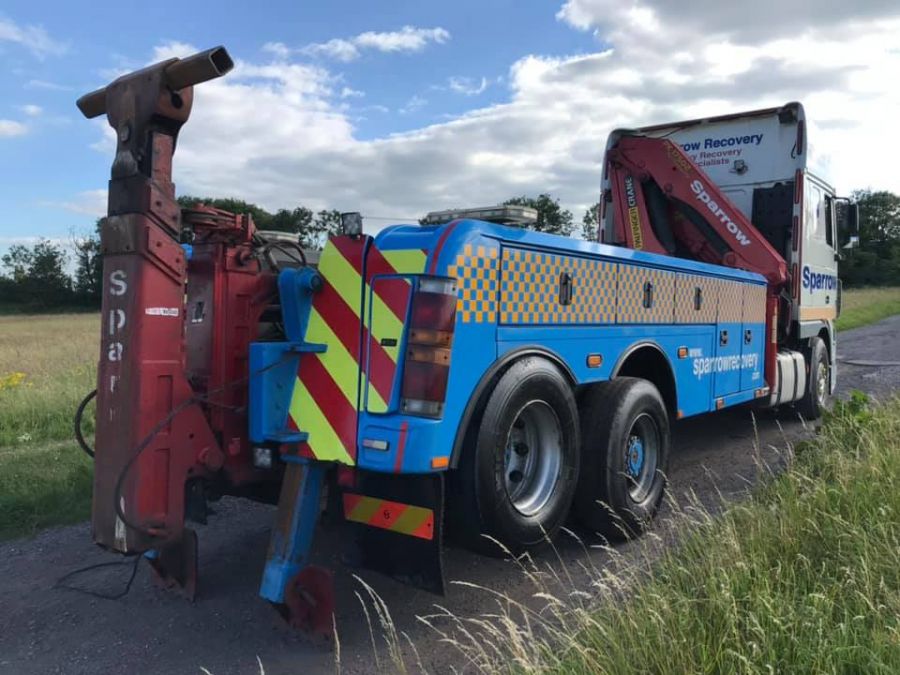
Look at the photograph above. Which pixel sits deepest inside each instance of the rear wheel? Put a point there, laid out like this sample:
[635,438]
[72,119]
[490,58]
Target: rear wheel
[518,479]
[625,456]
[818,382]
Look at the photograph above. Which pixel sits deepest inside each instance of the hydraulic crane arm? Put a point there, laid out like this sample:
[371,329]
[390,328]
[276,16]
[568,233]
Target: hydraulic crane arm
[664,203]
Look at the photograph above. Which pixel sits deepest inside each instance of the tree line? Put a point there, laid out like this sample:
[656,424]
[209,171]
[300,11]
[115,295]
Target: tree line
[36,277]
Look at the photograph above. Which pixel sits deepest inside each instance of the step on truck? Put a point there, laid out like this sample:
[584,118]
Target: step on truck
[464,377]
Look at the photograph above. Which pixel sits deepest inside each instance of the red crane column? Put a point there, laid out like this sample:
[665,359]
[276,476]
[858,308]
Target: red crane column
[151,434]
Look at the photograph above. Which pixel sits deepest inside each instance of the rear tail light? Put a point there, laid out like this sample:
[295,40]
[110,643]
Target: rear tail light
[427,363]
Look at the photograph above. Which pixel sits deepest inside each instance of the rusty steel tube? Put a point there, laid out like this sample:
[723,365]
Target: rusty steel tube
[178,74]
[201,67]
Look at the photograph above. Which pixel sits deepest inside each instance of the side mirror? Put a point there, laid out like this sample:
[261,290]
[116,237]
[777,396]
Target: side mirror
[847,223]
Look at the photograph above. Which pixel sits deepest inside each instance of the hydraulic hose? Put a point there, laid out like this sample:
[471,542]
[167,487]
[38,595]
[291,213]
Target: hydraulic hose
[79,414]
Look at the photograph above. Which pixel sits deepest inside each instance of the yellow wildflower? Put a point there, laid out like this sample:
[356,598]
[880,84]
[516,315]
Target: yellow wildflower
[12,380]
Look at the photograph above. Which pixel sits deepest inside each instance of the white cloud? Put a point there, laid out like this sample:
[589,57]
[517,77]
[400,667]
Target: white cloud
[31,110]
[347,92]
[408,39]
[10,128]
[33,38]
[337,48]
[279,49]
[88,203]
[414,104]
[274,133]
[467,85]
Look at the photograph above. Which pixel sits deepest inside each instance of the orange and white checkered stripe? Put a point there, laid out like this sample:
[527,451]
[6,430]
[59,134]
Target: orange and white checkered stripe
[476,271]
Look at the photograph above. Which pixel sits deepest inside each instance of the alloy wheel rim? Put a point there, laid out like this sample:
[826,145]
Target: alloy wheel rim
[532,457]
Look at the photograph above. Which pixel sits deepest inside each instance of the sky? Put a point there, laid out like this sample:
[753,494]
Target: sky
[395,108]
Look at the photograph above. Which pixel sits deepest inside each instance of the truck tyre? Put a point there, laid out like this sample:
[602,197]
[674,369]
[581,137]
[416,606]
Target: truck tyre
[818,381]
[624,457]
[517,480]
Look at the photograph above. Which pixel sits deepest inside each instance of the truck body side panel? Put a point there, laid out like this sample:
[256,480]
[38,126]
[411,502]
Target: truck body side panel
[520,290]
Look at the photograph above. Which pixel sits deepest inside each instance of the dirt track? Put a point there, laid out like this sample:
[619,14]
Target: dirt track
[48,630]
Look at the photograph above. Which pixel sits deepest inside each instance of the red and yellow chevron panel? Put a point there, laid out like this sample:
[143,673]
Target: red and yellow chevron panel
[415,521]
[326,397]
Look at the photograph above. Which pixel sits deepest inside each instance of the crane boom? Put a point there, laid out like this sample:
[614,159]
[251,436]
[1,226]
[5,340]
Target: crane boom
[664,203]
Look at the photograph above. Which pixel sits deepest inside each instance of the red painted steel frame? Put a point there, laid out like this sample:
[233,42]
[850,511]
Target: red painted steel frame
[169,409]
[640,158]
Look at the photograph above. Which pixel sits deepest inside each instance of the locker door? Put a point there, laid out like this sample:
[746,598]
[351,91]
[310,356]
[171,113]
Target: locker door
[753,337]
[728,338]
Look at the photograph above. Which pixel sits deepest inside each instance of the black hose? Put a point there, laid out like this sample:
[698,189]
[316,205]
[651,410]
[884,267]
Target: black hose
[79,414]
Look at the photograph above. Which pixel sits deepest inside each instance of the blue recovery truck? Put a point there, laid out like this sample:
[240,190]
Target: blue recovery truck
[467,374]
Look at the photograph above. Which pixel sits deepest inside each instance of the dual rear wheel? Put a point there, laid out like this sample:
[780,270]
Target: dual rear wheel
[539,454]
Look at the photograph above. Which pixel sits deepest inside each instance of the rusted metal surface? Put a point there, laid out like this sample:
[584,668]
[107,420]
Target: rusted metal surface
[309,602]
[175,565]
[175,74]
[152,430]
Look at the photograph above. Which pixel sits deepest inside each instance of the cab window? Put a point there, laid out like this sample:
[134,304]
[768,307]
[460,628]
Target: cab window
[829,220]
[818,214]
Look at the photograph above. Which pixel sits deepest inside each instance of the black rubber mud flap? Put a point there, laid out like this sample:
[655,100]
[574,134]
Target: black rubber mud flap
[398,525]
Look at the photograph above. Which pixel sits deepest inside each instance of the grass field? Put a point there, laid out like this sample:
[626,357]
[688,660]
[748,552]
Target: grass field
[47,364]
[863,306]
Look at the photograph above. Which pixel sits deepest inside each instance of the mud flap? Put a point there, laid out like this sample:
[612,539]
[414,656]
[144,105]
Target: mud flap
[398,526]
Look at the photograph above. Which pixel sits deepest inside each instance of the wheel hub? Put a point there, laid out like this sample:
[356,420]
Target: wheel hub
[532,458]
[641,457]
[822,385]
[634,457]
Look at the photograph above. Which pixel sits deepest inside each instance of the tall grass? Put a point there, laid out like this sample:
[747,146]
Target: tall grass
[42,486]
[47,364]
[801,578]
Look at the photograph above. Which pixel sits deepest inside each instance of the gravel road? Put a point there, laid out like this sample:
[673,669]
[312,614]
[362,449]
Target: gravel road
[49,630]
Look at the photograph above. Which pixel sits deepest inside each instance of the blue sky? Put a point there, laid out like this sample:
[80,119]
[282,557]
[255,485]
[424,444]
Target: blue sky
[47,168]
[396,108]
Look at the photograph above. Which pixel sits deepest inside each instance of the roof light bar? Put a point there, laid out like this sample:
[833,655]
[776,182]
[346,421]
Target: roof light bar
[504,214]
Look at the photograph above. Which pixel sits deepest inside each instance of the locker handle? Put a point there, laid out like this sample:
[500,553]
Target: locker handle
[648,295]
[565,288]
[723,338]
[748,336]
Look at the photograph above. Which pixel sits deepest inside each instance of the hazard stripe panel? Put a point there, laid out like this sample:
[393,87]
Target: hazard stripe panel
[415,521]
[326,398]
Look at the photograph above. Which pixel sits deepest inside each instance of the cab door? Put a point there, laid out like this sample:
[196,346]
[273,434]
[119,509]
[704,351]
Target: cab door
[818,264]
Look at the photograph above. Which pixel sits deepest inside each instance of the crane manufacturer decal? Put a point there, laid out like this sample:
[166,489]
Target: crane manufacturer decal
[634,217]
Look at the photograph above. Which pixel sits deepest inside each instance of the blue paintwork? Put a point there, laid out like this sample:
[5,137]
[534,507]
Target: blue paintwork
[477,346]
[289,550]
[273,365]
[635,457]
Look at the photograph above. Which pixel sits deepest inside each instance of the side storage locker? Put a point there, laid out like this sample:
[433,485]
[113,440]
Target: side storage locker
[729,338]
[753,337]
